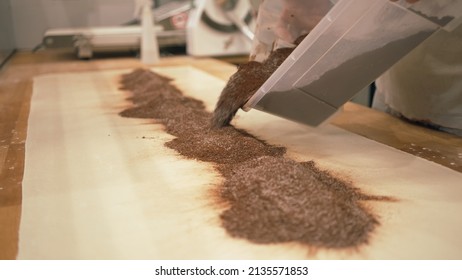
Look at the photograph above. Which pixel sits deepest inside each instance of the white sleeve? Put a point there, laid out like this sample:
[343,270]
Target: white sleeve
[426,85]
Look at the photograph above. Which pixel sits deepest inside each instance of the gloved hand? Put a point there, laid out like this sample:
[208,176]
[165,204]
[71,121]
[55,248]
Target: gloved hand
[281,22]
[298,17]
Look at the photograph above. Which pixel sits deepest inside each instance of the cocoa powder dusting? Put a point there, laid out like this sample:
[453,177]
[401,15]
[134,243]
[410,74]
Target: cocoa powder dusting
[269,198]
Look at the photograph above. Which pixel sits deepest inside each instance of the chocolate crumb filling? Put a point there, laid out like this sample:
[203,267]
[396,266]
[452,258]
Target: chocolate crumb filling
[243,84]
[268,198]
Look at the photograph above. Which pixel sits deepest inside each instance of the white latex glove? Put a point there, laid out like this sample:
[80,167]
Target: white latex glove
[298,17]
[281,22]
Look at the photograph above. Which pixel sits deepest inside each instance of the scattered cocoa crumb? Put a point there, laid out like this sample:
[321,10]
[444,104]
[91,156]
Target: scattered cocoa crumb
[269,198]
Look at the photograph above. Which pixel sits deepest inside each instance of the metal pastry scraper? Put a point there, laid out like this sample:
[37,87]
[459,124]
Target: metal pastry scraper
[350,47]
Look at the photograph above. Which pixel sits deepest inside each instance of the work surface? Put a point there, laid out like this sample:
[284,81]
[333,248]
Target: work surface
[15,93]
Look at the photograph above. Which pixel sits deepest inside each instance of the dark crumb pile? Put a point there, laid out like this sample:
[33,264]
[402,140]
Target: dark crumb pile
[275,199]
[243,84]
[270,198]
[248,78]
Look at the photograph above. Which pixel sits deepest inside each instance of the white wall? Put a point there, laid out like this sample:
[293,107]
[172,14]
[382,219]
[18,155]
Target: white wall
[6,30]
[31,18]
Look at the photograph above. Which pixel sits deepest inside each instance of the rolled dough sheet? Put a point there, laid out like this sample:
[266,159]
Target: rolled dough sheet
[99,186]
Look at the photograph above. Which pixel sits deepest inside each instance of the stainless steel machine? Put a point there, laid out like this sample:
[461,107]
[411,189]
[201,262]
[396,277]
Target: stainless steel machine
[220,27]
[205,27]
[170,29]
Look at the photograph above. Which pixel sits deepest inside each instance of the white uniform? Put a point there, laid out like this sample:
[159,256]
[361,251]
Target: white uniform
[426,85]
